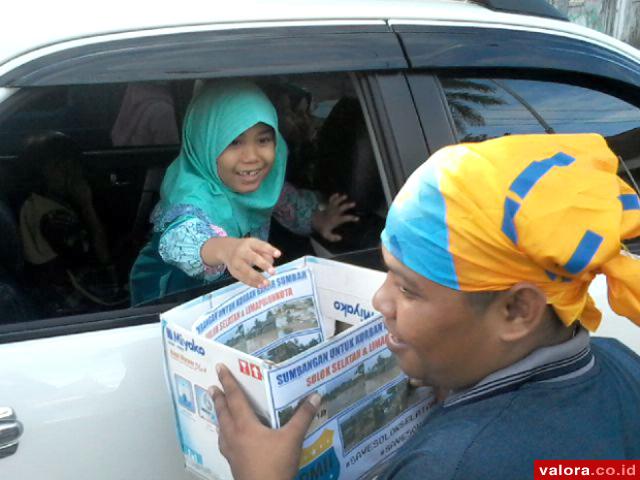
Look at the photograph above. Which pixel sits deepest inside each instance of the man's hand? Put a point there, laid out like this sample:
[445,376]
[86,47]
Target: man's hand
[256,452]
[334,215]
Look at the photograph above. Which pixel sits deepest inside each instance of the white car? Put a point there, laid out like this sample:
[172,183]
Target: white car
[369,88]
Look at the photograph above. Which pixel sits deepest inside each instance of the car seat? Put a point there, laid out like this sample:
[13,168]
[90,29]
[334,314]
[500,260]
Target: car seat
[148,198]
[347,163]
[15,304]
[11,257]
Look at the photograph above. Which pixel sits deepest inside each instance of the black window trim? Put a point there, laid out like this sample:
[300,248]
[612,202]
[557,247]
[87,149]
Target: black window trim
[433,110]
[392,117]
[439,47]
[217,53]
[422,80]
[71,325]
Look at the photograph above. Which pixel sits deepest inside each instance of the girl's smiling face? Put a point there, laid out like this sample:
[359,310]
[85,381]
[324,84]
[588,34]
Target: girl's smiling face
[248,159]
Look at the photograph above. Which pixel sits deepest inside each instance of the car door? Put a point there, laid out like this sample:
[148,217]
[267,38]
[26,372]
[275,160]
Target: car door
[84,395]
[498,82]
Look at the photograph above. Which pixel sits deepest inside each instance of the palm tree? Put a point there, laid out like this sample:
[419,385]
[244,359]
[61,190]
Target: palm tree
[462,95]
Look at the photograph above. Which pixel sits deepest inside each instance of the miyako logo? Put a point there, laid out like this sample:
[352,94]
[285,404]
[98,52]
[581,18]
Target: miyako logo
[349,309]
[184,344]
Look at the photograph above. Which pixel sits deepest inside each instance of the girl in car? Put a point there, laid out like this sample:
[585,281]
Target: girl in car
[218,196]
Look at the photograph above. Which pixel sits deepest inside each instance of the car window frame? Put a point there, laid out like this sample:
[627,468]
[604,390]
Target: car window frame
[465,47]
[378,89]
[211,52]
[548,56]
[394,127]
[446,134]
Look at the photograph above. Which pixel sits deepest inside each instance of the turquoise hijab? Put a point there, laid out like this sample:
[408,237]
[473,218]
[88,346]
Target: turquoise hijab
[219,113]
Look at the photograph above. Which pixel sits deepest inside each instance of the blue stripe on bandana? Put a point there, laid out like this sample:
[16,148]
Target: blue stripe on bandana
[630,201]
[416,231]
[511,207]
[587,248]
[536,170]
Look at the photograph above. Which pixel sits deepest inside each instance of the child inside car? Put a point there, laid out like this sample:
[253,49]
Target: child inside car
[218,196]
[63,239]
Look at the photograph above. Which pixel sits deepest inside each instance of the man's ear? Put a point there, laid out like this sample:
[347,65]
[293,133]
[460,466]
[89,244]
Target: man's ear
[523,309]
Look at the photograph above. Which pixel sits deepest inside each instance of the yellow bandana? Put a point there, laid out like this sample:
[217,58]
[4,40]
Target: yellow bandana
[548,209]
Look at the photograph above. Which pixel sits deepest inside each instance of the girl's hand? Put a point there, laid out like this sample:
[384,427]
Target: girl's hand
[253,450]
[325,221]
[240,255]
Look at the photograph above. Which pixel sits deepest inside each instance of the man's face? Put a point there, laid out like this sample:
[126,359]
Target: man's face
[433,331]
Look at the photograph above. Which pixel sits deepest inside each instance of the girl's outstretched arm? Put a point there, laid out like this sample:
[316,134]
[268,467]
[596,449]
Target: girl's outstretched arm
[240,256]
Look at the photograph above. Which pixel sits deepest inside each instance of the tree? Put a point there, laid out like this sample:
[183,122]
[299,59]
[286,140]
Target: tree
[462,95]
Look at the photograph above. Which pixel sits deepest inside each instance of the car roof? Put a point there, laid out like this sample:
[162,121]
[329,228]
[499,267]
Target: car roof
[31,26]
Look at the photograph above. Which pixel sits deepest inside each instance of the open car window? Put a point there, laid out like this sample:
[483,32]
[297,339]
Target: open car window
[127,135]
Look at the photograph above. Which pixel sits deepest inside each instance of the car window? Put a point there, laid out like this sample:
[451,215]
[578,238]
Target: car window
[483,108]
[125,136]
[96,116]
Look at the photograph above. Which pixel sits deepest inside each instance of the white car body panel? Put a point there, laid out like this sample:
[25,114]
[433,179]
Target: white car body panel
[613,325]
[93,405]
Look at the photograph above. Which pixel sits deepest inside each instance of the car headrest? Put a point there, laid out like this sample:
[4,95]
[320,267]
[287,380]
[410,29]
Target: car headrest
[347,161]
[11,256]
[14,305]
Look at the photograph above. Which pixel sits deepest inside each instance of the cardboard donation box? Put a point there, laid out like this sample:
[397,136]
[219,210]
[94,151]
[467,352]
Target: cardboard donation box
[312,330]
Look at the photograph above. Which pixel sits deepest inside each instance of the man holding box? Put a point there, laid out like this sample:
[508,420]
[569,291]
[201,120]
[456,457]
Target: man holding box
[491,248]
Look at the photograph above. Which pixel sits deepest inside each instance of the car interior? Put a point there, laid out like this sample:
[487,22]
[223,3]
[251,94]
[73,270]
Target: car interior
[319,116]
[330,150]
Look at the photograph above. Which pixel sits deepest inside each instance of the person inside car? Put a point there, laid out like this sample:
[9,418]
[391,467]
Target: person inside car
[491,248]
[64,241]
[296,124]
[218,196]
[147,117]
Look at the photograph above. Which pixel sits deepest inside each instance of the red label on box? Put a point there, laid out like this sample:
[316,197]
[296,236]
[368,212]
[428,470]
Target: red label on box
[250,369]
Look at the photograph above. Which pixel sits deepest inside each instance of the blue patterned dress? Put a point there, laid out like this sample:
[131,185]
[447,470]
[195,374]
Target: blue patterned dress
[180,242]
